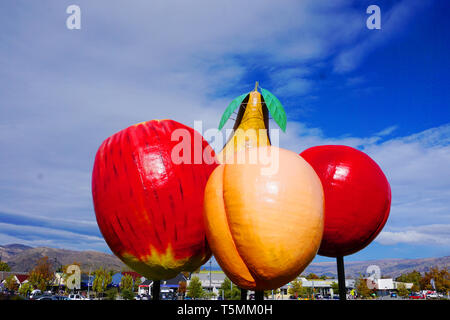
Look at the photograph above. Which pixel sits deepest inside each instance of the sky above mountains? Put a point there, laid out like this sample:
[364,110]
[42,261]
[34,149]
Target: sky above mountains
[62,92]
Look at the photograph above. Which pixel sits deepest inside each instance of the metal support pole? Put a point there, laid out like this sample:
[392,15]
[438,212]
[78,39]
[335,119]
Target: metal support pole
[243,294]
[341,278]
[156,289]
[259,295]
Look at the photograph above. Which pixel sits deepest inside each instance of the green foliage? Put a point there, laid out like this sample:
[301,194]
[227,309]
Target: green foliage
[275,108]
[25,289]
[312,276]
[102,279]
[126,283]
[411,277]
[209,295]
[401,290]
[111,294]
[335,287]
[4,266]
[136,284]
[11,283]
[296,288]
[127,294]
[194,289]
[229,291]
[230,109]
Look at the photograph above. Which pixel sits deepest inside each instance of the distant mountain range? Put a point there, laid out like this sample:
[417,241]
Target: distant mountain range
[23,258]
[388,267]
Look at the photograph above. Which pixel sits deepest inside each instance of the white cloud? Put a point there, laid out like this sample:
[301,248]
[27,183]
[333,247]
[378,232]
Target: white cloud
[387,131]
[436,234]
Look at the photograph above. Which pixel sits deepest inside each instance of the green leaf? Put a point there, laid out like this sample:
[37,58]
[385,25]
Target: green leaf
[275,108]
[230,109]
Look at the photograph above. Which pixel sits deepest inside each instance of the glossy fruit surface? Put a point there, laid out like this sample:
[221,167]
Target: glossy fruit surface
[357,198]
[148,208]
[264,227]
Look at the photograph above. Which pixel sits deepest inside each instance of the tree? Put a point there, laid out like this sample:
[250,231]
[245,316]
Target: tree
[111,293]
[401,290]
[25,289]
[101,281]
[127,294]
[126,283]
[41,276]
[195,289]
[229,291]
[11,283]
[441,280]
[335,287]
[413,277]
[296,288]
[4,266]
[209,295]
[362,289]
[312,276]
[137,283]
[182,287]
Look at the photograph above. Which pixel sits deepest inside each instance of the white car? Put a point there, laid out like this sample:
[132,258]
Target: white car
[76,296]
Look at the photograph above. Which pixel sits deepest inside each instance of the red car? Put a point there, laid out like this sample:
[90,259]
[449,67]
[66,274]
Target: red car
[416,296]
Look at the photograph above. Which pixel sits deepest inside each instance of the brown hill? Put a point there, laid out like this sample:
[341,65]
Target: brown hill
[25,258]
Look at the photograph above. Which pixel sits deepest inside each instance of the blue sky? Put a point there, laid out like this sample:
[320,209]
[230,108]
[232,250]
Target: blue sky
[62,92]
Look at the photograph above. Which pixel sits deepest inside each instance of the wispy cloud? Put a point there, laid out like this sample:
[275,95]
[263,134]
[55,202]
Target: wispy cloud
[435,234]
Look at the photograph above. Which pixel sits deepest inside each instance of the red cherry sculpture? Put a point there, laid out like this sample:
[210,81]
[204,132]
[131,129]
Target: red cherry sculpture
[148,208]
[357,198]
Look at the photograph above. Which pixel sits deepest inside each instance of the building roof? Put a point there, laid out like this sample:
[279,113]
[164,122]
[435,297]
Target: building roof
[22,277]
[133,274]
[146,283]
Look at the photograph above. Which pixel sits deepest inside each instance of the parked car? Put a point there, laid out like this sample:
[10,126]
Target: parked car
[393,294]
[415,296]
[46,297]
[76,296]
[35,294]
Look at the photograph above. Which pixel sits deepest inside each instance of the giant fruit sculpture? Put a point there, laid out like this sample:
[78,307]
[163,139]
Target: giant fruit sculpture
[263,228]
[357,198]
[148,208]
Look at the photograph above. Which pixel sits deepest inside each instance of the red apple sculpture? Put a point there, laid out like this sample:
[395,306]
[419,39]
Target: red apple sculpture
[357,198]
[148,207]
